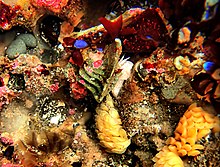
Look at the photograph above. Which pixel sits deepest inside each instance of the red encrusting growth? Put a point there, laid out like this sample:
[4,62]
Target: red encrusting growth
[112,27]
[76,58]
[54,87]
[147,65]
[42,69]
[78,90]
[7,14]
[68,41]
[145,32]
[1,82]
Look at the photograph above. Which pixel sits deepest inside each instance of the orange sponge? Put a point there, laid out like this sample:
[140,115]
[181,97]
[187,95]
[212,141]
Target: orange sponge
[195,124]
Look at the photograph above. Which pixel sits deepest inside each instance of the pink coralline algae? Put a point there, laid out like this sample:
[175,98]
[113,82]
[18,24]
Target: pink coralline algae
[53,5]
[54,87]
[3,93]
[6,140]
[97,63]
[72,111]
[10,165]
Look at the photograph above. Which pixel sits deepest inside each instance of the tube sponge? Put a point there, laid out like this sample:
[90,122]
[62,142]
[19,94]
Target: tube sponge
[110,132]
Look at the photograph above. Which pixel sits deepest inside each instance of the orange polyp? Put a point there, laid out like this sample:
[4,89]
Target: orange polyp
[171,140]
[208,118]
[183,140]
[198,119]
[179,128]
[202,133]
[192,106]
[167,158]
[200,125]
[196,114]
[182,152]
[192,132]
[177,135]
[178,145]
[110,132]
[184,132]
[187,147]
[209,125]
[173,160]
[191,141]
[188,114]
[184,124]
[183,119]
[197,147]
[193,153]
[191,124]
[197,109]
[172,148]
[161,161]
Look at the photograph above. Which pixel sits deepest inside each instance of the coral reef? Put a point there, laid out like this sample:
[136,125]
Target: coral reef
[97,83]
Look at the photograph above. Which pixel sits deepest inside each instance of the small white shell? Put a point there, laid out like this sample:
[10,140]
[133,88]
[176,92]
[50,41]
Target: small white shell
[184,35]
[180,62]
[126,67]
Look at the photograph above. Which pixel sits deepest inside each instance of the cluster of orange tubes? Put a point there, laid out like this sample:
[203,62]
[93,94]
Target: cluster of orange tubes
[195,124]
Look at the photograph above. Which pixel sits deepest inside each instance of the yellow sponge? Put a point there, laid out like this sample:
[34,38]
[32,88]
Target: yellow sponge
[110,132]
[167,158]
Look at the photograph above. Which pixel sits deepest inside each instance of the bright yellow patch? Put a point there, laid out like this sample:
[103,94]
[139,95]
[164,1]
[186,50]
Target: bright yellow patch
[110,132]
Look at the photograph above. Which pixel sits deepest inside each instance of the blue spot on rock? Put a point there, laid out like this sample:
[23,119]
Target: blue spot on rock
[100,49]
[208,66]
[148,37]
[80,44]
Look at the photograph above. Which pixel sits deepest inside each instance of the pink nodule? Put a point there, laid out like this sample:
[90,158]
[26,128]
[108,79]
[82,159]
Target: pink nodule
[97,63]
